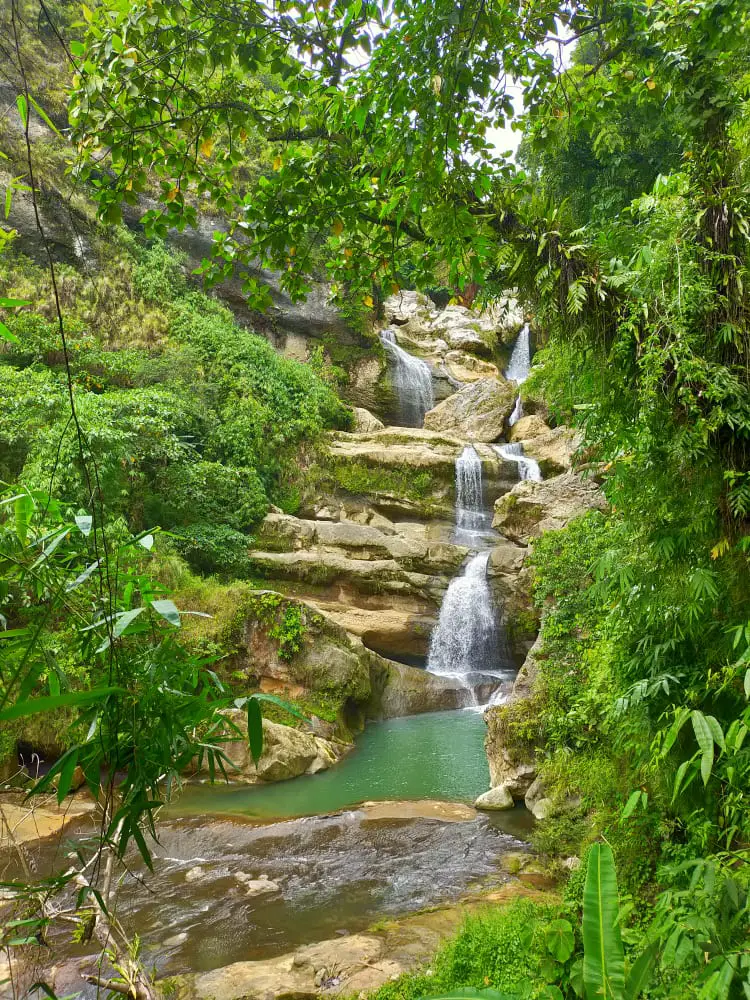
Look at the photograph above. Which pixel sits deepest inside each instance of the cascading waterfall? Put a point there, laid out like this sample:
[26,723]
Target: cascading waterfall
[528,468]
[466,639]
[469,493]
[411,380]
[518,369]
[517,412]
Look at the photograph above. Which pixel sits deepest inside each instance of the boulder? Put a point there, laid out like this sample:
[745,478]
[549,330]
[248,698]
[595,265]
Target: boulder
[526,677]
[527,428]
[405,306]
[287,752]
[495,799]
[366,422]
[463,367]
[477,413]
[553,451]
[465,330]
[505,558]
[328,659]
[535,793]
[400,690]
[530,508]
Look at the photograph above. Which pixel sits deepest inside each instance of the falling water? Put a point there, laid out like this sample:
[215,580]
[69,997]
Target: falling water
[520,359]
[412,381]
[517,412]
[466,640]
[528,468]
[518,369]
[469,493]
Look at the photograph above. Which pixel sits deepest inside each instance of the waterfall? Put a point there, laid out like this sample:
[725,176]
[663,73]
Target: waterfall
[411,380]
[469,493]
[528,468]
[520,359]
[466,640]
[518,369]
[517,412]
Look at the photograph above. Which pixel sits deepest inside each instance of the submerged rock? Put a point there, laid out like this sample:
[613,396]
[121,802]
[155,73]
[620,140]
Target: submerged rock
[477,412]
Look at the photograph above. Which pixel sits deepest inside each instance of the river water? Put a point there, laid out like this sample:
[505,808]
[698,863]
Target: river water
[335,871]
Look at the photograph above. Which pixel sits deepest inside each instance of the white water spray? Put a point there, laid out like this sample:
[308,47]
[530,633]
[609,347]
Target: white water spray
[528,468]
[411,380]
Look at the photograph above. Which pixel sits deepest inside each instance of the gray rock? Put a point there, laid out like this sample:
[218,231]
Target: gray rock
[542,809]
[477,412]
[530,508]
[495,799]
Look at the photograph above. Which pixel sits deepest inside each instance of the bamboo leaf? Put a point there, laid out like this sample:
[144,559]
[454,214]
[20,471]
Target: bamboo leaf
[168,610]
[50,703]
[705,739]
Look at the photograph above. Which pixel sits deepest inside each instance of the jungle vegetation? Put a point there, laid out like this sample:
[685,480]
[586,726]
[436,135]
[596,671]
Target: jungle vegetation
[354,138]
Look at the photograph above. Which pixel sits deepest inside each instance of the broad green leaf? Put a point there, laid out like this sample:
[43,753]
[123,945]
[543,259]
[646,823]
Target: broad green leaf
[23,109]
[82,577]
[640,974]
[560,939]
[603,955]
[254,729]
[66,773]
[168,610]
[23,510]
[13,303]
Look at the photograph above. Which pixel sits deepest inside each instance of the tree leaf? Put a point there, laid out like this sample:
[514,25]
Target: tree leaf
[705,739]
[560,939]
[603,955]
[124,618]
[23,110]
[66,773]
[640,973]
[6,334]
[168,610]
[84,522]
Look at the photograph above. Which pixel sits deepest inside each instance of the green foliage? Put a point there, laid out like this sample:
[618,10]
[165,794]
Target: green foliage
[201,431]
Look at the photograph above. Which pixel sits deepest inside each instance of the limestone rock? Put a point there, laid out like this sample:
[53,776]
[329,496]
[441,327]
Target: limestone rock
[535,793]
[495,799]
[328,658]
[477,412]
[527,428]
[530,508]
[526,677]
[257,886]
[287,752]
[553,451]
[542,809]
[297,975]
[400,690]
[505,558]
[465,367]
[366,422]
[407,305]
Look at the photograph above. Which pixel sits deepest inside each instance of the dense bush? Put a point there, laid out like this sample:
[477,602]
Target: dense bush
[201,428]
